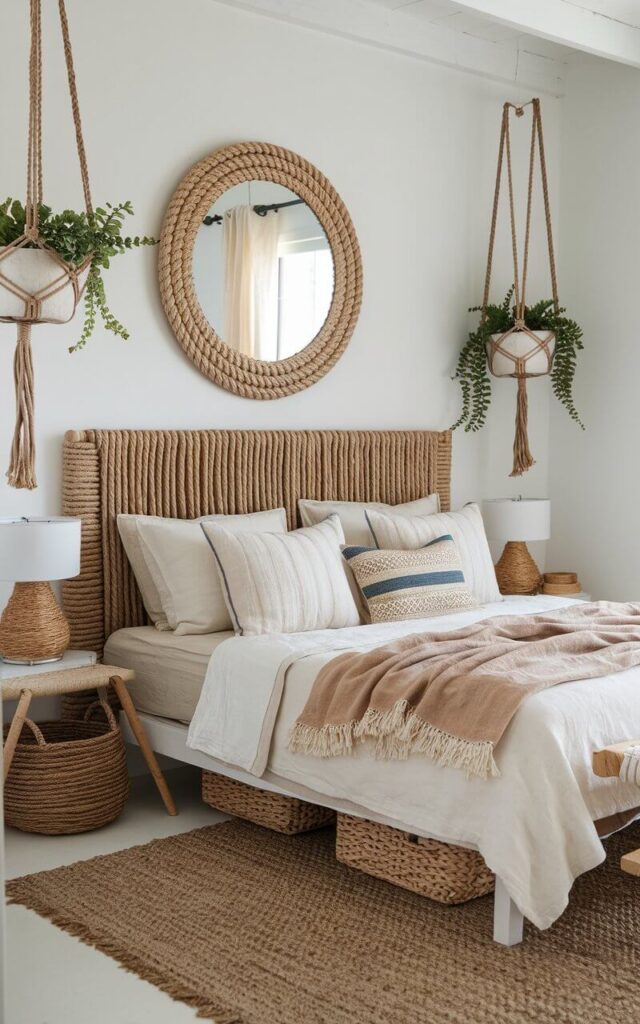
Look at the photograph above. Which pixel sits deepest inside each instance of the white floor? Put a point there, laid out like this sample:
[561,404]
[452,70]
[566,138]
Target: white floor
[53,978]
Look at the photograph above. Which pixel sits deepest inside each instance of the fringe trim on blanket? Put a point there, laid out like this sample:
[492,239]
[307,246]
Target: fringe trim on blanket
[398,733]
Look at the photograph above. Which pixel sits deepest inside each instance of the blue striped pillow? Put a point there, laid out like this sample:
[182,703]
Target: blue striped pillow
[414,584]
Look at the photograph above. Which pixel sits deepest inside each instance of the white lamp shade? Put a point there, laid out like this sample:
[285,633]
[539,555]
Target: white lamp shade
[519,519]
[39,548]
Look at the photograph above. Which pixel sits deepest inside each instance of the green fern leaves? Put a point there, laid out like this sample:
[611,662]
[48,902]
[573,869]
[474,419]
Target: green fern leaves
[74,236]
[472,370]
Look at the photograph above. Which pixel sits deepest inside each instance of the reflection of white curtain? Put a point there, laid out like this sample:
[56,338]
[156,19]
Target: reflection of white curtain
[251,282]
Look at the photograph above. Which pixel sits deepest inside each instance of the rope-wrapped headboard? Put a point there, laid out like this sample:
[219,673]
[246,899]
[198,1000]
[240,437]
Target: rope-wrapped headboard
[191,473]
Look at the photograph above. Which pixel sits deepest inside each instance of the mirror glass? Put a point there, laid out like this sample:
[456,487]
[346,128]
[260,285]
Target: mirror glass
[263,270]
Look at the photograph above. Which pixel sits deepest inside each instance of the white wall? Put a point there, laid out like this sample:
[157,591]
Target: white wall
[410,147]
[595,477]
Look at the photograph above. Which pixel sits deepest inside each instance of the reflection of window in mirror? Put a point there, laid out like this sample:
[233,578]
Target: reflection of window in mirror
[264,279]
[305,287]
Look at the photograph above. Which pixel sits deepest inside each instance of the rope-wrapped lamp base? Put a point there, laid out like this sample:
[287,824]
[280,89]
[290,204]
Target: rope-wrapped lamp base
[516,571]
[33,627]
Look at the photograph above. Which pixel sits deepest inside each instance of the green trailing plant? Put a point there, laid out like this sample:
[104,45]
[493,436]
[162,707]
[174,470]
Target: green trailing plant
[472,370]
[74,236]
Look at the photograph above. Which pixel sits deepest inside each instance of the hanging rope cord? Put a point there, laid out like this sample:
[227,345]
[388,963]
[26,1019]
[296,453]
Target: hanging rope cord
[75,107]
[34,147]
[21,472]
[522,458]
[537,141]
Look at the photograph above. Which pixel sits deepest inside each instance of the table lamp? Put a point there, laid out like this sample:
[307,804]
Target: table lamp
[516,521]
[33,551]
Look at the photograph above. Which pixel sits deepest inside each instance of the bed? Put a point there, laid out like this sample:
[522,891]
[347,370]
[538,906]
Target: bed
[546,756]
[170,670]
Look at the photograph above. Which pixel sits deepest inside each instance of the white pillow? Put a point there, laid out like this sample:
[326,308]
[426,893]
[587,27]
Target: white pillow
[352,517]
[465,527]
[184,572]
[286,583]
[128,530]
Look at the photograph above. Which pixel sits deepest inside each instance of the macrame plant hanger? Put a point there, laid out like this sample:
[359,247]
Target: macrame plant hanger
[498,345]
[37,303]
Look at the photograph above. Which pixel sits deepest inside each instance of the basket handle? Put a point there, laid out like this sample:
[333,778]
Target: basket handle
[39,738]
[101,702]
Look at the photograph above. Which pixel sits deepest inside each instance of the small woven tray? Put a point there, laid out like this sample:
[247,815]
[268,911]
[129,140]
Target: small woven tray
[562,589]
[560,578]
[562,584]
[448,874]
[272,810]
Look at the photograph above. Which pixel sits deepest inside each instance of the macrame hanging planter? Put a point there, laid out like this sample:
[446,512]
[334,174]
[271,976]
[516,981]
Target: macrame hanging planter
[521,352]
[36,285]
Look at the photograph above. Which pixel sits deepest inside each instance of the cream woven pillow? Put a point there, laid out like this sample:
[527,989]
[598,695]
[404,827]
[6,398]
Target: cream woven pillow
[465,527]
[414,584]
[180,564]
[128,530]
[284,583]
[352,514]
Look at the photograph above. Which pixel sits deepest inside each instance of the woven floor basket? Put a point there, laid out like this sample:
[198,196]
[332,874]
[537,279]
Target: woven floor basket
[67,776]
[448,874]
[280,813]
[74,705]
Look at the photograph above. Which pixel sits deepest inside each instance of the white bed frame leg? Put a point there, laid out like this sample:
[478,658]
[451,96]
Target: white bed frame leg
[508,922]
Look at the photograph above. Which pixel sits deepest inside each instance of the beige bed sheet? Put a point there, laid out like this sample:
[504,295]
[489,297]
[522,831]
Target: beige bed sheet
[169,669]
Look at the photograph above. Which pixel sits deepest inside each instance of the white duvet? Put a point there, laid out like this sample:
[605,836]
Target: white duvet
[533,824]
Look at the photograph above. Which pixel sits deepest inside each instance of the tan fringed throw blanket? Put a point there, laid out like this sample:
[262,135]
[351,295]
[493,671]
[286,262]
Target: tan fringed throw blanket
[450,696]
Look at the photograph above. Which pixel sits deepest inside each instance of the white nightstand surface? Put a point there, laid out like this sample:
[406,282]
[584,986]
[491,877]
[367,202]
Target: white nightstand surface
[70,659]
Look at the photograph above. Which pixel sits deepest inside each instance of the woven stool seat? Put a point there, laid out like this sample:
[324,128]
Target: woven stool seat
[72,680]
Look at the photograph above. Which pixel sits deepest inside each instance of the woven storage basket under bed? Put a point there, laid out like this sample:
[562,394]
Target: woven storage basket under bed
[280,813]
[67,776]
[448,874]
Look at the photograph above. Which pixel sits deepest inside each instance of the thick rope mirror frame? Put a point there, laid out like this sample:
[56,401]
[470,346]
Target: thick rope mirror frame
[207,181]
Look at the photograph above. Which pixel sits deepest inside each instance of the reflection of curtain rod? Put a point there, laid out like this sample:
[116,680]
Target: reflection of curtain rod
[261,210]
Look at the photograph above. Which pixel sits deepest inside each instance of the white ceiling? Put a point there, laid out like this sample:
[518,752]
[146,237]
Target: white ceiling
[449,14]
[529,42]
[626,11]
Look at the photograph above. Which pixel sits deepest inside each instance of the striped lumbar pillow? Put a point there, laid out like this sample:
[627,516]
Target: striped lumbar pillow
[467,529]
[413,584]
[284,583]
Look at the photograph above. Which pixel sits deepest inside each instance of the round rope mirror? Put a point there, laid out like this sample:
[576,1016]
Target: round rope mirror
[220,210]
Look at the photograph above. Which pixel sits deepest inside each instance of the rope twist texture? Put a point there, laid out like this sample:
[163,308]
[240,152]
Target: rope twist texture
[206,182]
[522,458]
[21,471]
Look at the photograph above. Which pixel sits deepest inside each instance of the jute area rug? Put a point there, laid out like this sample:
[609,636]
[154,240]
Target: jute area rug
[251,927]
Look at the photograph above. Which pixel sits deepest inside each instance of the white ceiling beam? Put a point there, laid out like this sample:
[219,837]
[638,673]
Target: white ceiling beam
[403,32]
[566,22]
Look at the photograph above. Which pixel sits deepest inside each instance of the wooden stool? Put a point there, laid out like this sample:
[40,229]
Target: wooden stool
[60,681]
[607,764]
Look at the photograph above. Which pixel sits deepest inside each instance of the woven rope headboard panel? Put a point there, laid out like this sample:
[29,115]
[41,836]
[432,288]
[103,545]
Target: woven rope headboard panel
[186,474]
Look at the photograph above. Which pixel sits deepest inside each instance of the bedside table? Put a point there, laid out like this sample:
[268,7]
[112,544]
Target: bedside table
[75,672]
[70,659]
